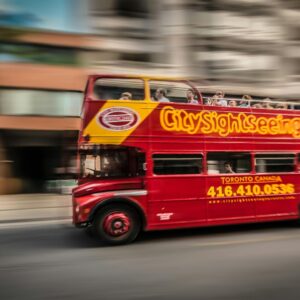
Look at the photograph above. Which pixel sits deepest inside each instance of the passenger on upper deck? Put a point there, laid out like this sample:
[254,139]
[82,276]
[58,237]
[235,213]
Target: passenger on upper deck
[221,101]
[266,103]
[232,103]
[257,105]
[190,94]
[126,96]
[160,95]
[281,106]
[207,101]
[245,102]
[214,101]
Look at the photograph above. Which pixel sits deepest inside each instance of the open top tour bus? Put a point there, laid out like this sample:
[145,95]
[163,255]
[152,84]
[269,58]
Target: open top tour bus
[157,154]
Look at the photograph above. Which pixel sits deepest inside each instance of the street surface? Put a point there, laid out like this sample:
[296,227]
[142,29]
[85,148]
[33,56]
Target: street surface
[41,260]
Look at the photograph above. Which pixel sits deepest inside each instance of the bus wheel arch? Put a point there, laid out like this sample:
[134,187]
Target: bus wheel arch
[117,221]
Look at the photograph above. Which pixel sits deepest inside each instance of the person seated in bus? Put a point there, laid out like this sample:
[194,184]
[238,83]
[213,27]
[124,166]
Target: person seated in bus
[266,103]
[216,101]
[221,100]
[207,101]
[228,167]
[190,96]
[160,95]
[219,94]
[126,96]
[281,106]
[257,105]
[245,102]
[232,103]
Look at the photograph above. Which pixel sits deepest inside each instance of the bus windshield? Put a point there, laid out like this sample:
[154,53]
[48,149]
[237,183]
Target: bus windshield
[107,162]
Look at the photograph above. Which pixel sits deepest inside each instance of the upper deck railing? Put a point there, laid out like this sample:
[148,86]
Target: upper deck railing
[114,87]
[247,101]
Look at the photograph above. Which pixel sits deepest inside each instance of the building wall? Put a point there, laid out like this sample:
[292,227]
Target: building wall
[251,44]
[41,93]
[42,79]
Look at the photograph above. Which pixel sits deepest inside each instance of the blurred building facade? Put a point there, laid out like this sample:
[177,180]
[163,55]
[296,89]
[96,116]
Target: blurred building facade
[247,45]
[42,77]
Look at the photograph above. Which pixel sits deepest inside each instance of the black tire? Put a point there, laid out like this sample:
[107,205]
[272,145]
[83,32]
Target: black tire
[101,221]
[89,231]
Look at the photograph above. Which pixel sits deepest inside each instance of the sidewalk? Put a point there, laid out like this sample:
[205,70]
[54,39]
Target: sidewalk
[35,207]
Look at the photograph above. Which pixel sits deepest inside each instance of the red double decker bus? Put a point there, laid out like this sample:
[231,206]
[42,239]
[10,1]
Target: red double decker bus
[154,154]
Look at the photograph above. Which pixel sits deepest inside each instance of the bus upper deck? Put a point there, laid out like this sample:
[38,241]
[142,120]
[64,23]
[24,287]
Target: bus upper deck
[118,109]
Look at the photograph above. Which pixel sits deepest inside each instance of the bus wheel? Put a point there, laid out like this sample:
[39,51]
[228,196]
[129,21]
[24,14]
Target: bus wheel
[117,224]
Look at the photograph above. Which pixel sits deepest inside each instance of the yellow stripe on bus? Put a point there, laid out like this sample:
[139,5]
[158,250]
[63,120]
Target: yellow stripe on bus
[105,126]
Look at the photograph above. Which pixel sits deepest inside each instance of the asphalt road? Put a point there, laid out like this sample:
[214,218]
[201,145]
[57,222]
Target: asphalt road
[57,261]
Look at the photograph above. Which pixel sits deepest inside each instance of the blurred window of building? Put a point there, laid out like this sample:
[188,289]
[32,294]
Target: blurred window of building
[132,8]
[135,57]
[37,54]
[35,102]
[118,88]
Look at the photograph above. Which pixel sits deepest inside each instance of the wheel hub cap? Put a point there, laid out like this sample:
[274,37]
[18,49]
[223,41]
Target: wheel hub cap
[116,224]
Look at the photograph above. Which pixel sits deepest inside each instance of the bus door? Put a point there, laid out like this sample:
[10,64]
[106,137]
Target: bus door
[277,183]
[227,198]
[174,190]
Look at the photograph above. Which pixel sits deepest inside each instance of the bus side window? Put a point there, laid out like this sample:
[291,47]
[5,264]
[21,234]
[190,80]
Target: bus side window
[274,162]
[223,162]
[173,164]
